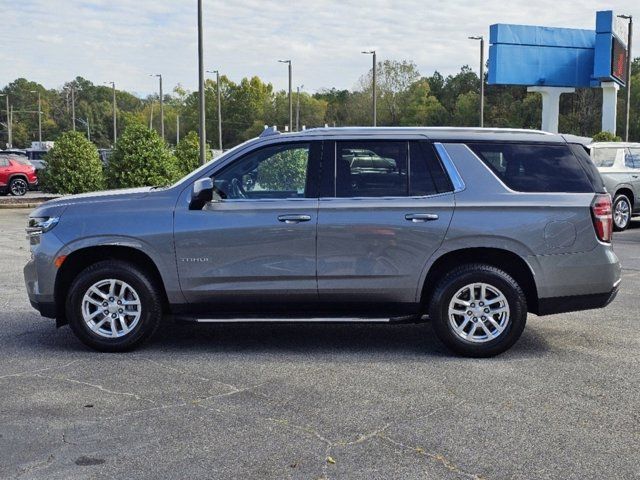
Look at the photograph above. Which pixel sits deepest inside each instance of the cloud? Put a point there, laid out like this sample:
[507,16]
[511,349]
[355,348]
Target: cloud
[124,41]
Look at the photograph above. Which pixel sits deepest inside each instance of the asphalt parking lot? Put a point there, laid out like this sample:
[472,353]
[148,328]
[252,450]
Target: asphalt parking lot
[319,401]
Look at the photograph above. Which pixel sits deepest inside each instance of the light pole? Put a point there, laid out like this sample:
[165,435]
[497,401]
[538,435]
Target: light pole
[290,100]
[73,107]
[203,133]
[177,129]
[217,72]
[628,82]
[481,38]
[9,139]
[159,75]
[373,85]
[39,117]
[298,107]
[115,134]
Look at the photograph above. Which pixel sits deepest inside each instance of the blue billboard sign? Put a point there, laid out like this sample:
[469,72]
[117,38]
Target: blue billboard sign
[544,56]
[558,57]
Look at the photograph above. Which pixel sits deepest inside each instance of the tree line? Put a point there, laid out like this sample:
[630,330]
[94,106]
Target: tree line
[404,98]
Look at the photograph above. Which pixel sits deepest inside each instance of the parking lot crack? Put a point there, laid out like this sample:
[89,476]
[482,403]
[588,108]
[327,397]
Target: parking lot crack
[35,372]
[98,387]
[434,456]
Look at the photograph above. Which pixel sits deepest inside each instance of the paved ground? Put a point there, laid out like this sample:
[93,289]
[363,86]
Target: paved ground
[287,401]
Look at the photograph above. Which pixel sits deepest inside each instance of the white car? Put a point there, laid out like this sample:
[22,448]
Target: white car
[619,165]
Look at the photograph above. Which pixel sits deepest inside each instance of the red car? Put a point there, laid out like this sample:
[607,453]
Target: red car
[17,175]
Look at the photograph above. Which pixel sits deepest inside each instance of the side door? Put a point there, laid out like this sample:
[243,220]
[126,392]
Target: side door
[379,220]
[633,163]
[257,243]
[4,171]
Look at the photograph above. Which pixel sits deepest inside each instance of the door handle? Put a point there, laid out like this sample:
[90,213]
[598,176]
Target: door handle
[420,217]
[294,218]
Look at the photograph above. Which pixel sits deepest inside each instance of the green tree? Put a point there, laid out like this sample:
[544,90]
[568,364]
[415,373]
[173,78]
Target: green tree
[606,137]
[73,166]
[141,158]
[188,153]
[284,171]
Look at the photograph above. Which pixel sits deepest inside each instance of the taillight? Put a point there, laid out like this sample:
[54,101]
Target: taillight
[601,213]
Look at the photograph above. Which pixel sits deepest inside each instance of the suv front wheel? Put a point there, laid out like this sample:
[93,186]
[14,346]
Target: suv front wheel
[113,306]
[478,310]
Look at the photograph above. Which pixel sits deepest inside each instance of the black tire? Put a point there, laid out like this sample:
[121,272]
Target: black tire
[465,275]
[619,200]
[18,186]
[140,281]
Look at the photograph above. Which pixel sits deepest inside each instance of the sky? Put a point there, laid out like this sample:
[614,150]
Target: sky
[124,41]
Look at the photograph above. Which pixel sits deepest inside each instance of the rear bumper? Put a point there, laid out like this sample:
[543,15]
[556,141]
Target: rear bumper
[574,303]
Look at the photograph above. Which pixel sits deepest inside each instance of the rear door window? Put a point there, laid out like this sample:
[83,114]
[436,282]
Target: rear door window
[534,167]
[604,157]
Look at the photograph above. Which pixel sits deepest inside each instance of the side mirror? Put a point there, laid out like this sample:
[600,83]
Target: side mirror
[201,194]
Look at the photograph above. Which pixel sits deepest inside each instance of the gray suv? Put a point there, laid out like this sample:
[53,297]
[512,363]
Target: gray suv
[469,228]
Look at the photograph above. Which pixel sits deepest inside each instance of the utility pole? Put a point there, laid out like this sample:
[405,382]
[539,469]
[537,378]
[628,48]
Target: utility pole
[73,107]
[373,85]
[39,117]
[298,107]
[177,129]
[481,38]
[290,99]
[628,82]
[115,134]
[159,75]
[6,96]
[201,105]
[219,107]
[151,117]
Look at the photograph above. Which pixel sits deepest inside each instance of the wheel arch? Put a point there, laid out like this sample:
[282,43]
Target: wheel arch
[81,258]
[627,192]
[506,260]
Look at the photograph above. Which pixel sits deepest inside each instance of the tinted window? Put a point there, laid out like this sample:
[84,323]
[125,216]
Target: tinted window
[534,167]
[371,169]
[582,154]
[279,171]
[426,175]
[604,157]
[21,160]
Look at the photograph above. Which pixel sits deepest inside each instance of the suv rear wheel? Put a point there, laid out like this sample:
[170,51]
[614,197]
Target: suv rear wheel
[18,186]
[478,310]
[113,306]
[621,212]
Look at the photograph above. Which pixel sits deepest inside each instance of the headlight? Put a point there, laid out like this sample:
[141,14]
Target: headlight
[40,225]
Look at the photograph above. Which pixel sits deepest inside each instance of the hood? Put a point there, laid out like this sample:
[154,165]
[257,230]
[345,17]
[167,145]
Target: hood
[58,205]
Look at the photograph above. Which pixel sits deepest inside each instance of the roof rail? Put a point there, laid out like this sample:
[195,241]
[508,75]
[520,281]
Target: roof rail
[268,131]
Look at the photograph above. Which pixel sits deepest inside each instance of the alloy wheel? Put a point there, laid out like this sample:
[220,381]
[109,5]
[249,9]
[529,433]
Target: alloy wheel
[479,312]
[111,308]
[18,187]
[622,213]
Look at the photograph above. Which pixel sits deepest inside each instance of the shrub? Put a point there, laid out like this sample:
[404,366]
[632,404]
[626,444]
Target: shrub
[606,137]
[73,166]
[141,158]
[188,153]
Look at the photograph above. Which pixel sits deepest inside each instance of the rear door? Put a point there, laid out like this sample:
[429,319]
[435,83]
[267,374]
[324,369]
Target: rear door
[379,221]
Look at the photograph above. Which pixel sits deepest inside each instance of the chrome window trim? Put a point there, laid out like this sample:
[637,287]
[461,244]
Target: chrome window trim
[450,167]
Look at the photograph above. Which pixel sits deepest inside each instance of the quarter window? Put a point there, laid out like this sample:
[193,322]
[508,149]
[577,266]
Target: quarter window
[604,157]
[534,167]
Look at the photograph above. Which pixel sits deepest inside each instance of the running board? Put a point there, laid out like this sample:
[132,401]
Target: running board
[405,319]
